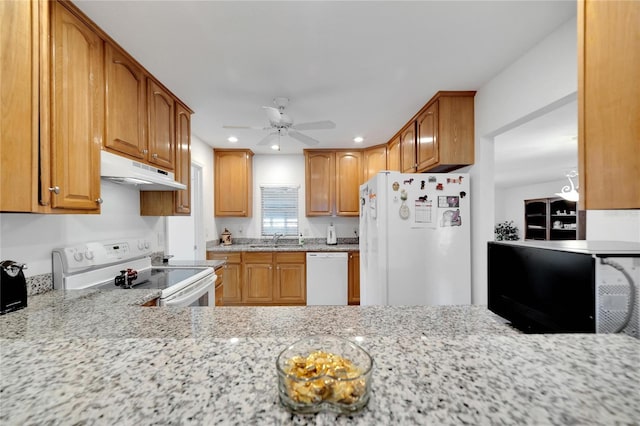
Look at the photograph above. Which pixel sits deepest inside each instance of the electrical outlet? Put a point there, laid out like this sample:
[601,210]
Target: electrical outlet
[355,231]
[240,229]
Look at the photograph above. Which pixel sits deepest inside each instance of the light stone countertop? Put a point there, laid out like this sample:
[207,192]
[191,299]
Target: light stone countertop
[311,245]
[94,357]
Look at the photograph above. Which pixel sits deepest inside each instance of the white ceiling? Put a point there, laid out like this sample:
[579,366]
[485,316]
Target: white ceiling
[367,66]
[541,150]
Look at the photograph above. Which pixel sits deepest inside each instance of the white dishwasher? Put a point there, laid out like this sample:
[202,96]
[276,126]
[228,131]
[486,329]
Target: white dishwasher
[327,275]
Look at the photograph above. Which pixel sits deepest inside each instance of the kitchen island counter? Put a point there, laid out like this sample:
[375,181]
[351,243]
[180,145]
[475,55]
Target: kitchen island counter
[96,357]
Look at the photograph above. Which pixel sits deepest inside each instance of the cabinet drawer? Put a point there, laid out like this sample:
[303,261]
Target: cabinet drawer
[258,257]
[291,257]
[234,257]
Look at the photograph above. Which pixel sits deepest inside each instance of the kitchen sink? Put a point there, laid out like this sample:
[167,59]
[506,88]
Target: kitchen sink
[262,246]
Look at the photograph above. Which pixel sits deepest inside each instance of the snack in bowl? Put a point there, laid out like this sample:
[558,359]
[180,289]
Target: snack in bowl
[324,372]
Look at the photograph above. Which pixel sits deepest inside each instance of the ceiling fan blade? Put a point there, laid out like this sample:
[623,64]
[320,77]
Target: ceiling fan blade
[243,127]
[268,139]
[303,138]
[315,125]
[273,114]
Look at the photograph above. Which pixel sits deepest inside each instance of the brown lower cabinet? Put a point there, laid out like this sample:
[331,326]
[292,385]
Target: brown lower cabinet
[263,278]
[353,297]
[219,290]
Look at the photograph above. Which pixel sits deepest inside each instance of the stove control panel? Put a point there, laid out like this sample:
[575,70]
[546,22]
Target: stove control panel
[91,255]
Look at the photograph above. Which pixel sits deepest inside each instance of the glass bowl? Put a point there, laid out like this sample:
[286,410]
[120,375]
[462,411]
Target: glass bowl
[324,373]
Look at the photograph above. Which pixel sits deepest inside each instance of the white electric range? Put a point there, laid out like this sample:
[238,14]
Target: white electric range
[126,263]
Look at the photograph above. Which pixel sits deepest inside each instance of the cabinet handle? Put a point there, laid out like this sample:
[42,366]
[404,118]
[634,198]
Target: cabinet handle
[145,151]
[99,200]
[154,155]
[55,189]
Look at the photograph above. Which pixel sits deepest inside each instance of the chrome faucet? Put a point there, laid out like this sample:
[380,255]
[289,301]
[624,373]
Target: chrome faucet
[276,237]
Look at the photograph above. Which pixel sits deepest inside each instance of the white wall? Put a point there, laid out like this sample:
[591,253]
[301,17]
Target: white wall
[509,202]
[30,238]
[284,169]
[542,79]
[614,225]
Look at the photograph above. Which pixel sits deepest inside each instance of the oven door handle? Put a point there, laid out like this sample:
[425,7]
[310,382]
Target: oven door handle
[193,292]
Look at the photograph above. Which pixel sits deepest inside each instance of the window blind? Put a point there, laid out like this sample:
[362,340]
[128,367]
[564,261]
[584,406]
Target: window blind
[279,210]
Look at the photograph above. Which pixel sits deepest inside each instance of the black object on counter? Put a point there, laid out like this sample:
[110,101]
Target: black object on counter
[13,287]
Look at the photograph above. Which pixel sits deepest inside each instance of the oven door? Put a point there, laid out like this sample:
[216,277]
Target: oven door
[199,293]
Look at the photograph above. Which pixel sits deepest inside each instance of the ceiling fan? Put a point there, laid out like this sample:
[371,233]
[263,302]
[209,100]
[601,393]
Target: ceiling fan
[280,124]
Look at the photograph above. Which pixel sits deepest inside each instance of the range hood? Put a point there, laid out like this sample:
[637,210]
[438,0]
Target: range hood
[130,172]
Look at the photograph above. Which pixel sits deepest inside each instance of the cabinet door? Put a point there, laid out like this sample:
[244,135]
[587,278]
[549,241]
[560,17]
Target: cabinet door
[161,126]
[427,128]
[77,113]
[232,284]
[291,279]
[608,104]
[408,148]
[19,105]
[348,178]
[232,275]
[125,99]
[233,183]
[219,289]
[320,183]
[354,278]
[183,160]
[393,155]
[258,283]
[375,160]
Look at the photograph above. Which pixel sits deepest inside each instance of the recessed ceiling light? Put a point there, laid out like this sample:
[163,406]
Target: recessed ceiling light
[232,139]
[358,139]
[275,147]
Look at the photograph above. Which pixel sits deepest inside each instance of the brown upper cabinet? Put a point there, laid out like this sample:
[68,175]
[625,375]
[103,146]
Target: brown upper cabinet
[68,90]
[233,182]
[320,176]
[408,148]
[51,135]
[77,111]
[608,104]
[427,141]
[161,109]
[174,203]
[141,116]
[332,182]
[393,155]
[374,159]
[348,179]
[126,104]
[440,137]
[182,199]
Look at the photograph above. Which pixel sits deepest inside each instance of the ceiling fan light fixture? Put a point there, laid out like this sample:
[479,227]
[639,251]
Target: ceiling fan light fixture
[358,139]
[275,147]
[570,192]
[232,139]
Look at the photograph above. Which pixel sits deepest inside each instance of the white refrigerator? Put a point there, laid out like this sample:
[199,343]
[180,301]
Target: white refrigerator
[415,239]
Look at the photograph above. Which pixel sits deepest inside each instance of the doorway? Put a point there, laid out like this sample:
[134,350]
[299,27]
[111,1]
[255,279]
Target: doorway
[184,236]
